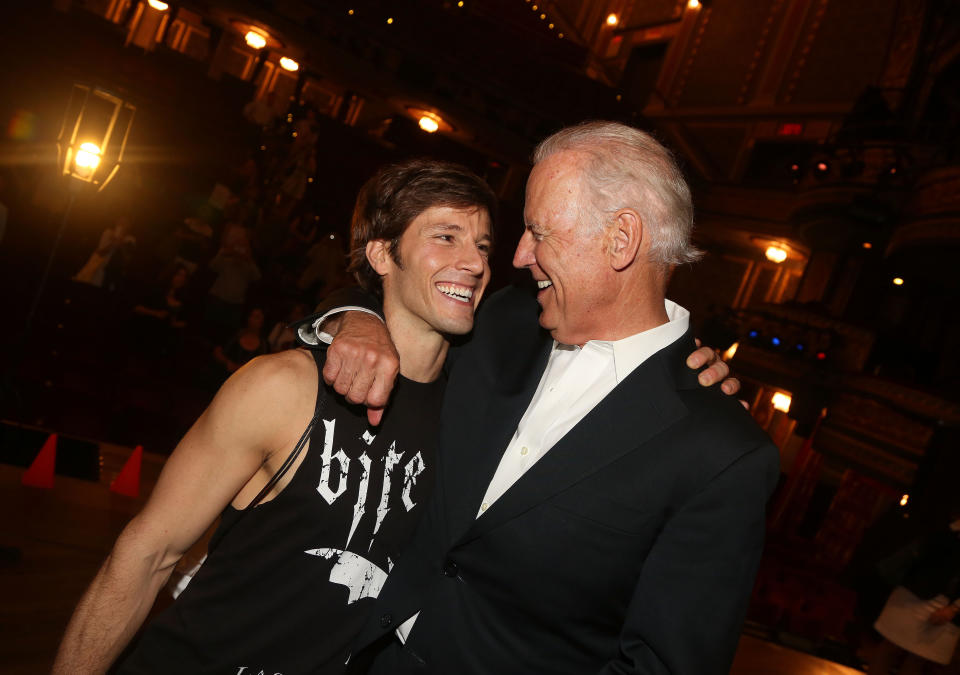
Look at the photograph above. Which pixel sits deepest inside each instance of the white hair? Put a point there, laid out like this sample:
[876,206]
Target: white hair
[628,168]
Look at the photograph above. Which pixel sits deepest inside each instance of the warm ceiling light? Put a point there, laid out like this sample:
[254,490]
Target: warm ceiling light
[429,123]
[897,281]
[390,20]
[289,64]
[560,36]
[904,499]
[781,401]
[543,16]
[255,39]
[731,351]
[460,4]
[776,253]
[693,4]
[867,245]
[612,19]
[350,12]
[550,26]
[159,6]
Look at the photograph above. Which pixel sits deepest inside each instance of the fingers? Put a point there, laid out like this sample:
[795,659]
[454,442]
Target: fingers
[730,386]
[374,415]
[715,373]
[362,364]
[702,357]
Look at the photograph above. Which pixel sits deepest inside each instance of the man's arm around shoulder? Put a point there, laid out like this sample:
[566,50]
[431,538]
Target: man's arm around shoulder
[217,462]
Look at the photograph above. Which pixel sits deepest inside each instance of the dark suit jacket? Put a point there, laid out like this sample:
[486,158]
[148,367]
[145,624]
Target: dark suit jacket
[630,547]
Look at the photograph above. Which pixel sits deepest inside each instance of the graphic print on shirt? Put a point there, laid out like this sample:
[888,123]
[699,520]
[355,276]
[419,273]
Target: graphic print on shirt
[362,577]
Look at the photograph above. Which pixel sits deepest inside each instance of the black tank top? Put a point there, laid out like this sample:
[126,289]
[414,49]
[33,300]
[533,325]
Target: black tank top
[288,584]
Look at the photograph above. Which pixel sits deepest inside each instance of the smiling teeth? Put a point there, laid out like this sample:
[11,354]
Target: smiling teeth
[455,292]
[546,283]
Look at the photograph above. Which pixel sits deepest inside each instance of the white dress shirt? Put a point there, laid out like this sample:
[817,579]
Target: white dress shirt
[575,380]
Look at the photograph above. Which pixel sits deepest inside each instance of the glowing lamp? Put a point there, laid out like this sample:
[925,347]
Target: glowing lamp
[255,39]
[612,19]
[86,160]
[775,341]
[94,134]
[776,253]
[781,401]
[867,245]
[897,281]
[904,499]
[159,6]
[693,4]
[429,124]
[731,351]
[289,64]
[390,20]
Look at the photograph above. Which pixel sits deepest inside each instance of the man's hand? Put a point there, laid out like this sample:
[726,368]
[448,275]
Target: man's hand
[943,615]
[362,363]
[716,370]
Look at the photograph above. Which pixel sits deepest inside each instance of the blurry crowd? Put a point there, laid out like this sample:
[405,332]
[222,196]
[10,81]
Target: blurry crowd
[232,275]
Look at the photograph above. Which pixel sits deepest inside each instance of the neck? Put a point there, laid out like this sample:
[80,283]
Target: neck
[422,349]
[633,307]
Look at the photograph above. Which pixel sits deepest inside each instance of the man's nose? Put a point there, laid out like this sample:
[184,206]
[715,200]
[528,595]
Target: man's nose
[471,259]
[523,256]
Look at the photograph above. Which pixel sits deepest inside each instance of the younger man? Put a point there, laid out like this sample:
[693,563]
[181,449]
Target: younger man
[288,583]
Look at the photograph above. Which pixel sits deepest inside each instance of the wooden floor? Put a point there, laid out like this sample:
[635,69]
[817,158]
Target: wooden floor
[63,535]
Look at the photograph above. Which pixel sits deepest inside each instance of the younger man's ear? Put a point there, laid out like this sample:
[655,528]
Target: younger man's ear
[378,255]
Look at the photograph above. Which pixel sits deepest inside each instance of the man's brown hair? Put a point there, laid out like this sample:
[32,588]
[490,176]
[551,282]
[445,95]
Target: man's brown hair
[396,195]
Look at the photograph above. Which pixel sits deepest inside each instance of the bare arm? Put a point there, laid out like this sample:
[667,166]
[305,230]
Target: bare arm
[219,456]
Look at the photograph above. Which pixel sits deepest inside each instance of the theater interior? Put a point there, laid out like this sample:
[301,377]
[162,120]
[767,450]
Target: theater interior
[821,139]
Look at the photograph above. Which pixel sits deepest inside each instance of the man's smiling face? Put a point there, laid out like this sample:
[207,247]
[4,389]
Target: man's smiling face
[443,269]
[565,255]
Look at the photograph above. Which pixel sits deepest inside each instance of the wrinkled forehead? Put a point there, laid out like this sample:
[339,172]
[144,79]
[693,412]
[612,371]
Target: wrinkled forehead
[555,185]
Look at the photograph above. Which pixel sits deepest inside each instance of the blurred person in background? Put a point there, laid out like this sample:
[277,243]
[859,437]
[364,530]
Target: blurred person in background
[236,270]
[283,334]
[246,344]
[112,243]
[920,623]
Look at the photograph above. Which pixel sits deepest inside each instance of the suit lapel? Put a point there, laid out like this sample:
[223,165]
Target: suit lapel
[474,452]
[638,409]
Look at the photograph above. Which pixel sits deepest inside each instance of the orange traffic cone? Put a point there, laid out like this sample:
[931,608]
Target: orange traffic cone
[40,473]
[127,482]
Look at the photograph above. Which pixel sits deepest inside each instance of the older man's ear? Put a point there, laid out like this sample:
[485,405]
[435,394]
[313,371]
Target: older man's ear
[624,238]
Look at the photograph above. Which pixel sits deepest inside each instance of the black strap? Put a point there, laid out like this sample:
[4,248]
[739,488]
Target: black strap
[304,437]
[297,449]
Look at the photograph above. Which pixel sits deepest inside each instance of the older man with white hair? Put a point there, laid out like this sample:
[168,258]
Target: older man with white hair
[596,510]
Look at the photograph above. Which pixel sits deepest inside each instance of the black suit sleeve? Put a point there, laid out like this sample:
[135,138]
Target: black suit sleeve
[688,605]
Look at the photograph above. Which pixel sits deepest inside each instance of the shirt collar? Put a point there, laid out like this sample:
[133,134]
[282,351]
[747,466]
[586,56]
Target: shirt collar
[630,352]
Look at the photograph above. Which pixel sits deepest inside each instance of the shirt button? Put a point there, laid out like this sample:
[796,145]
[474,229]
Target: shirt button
[484,507]
[386,620]
[524,450]
[450,569]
